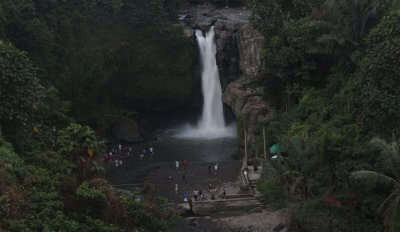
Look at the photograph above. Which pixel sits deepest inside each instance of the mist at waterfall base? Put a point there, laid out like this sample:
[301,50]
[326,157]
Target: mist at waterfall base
[212,123]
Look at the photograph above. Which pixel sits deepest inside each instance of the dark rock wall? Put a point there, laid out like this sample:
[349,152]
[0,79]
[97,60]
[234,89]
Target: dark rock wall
[227,53]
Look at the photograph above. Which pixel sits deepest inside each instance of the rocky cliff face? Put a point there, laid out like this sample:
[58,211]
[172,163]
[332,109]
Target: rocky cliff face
[242,95]
[227,53]
[251,45]
[247,101]
[226,22]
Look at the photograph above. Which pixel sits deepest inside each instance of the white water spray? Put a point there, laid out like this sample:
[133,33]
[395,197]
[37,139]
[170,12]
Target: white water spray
[212,122]
[213,115]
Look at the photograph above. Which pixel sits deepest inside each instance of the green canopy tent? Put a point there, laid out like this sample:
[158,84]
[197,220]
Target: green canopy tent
[275,149]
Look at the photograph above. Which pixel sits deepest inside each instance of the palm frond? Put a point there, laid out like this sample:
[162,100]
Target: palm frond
[389,209]
[390,153]
[370,181]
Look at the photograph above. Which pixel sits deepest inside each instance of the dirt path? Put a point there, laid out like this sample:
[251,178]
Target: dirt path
[263,221]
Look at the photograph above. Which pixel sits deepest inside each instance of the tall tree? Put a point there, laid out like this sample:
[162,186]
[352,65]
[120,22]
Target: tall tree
[20,90]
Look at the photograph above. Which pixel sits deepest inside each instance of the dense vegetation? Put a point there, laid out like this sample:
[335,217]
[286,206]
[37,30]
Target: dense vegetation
[103,55]
[332,70]
[65,65]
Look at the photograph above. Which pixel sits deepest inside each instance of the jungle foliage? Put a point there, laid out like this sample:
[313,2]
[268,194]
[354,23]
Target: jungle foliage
[60,67]
[333,65]
[87,48]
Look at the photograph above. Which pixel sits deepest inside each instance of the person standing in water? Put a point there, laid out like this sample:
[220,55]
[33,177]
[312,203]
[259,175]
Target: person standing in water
[184,178]
[216,168]
[151,150]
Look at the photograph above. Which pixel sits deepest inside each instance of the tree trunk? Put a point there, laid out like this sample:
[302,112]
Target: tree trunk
[245,143]
[265,145]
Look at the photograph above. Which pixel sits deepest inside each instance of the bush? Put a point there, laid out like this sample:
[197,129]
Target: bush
[315,216]
[273,192]
[93,199]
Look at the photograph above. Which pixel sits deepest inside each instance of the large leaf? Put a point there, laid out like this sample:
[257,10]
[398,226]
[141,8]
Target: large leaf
[366,181]
[390,153]
[390,211]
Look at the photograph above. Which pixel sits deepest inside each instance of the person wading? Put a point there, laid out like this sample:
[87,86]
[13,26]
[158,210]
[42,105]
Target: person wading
[184,178]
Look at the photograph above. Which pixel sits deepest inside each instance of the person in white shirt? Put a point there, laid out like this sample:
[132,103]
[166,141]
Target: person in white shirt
[216,168]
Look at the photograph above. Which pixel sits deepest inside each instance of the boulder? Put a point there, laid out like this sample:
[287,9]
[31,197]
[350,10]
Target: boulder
[188,32]
[127,130]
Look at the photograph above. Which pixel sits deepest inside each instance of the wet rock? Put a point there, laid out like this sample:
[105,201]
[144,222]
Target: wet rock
[256,210]
[188,32]
[279,228]
[226,22]
[126,130]
[194,223]
[227,53]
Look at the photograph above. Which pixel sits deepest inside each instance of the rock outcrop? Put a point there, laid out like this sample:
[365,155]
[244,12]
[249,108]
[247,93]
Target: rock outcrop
[248,104]
[251,45]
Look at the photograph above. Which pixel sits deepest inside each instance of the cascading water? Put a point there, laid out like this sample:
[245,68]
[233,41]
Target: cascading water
[212,122]
[213,116]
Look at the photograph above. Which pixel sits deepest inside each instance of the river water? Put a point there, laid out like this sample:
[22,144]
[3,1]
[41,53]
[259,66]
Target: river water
[167,149]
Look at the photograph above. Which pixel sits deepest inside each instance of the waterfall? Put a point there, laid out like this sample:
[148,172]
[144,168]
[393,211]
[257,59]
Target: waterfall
[213,115]
[212,122]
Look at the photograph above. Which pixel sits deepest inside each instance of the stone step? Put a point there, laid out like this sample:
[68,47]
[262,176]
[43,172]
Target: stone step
[227,207]
[226,200]
[234,196]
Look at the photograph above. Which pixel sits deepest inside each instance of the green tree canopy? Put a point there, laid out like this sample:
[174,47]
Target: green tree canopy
[20,90]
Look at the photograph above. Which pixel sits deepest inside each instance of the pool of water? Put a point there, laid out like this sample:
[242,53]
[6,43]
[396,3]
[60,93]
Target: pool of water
[167,149]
